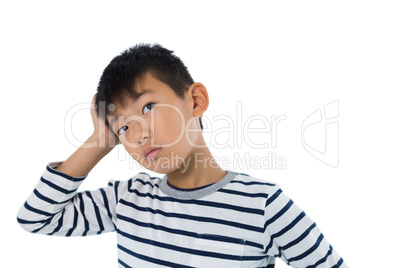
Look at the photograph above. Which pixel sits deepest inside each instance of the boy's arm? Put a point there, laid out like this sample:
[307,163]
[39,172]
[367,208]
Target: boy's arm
[99,144]
[83,160]
[293,236]
[55,207]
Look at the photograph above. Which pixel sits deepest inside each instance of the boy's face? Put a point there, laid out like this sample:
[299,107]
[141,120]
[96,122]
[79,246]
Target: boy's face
[158,119]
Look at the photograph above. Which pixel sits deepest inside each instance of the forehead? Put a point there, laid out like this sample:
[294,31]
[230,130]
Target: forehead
[128,101]
[145,85]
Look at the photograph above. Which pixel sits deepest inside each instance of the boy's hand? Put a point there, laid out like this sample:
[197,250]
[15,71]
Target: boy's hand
[101,130]
[82,161]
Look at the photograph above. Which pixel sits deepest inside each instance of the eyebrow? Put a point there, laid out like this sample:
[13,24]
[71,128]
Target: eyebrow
[142,92]
[138,95]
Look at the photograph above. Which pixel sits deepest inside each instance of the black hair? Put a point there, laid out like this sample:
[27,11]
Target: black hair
[118,78]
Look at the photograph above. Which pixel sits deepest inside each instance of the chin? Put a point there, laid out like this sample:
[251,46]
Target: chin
[162,164]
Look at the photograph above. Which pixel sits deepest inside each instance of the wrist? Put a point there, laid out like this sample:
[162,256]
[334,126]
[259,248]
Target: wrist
[99,142]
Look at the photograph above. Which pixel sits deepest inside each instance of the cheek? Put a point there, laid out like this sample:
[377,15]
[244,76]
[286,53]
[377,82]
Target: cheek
[133,152]
[169,125]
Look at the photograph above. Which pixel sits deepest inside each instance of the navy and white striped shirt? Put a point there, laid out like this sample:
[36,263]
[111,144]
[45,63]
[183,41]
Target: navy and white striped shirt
[239,221]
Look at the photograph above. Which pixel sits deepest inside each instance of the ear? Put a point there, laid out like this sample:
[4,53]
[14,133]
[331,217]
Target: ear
[199,97]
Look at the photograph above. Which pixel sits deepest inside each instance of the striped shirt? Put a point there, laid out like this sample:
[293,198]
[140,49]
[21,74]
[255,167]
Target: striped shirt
[239,221]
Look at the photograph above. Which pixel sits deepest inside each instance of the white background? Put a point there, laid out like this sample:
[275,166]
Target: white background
[289,58]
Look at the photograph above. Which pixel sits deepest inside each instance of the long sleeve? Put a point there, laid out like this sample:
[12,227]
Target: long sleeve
[56,208]
[293,236]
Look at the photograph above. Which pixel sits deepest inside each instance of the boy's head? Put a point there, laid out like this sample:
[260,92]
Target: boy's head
[119,77]
[150,102]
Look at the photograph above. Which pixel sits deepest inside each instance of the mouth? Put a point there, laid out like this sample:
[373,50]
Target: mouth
[152,153]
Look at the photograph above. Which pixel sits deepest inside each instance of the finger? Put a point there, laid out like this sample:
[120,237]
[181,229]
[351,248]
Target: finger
[93,101]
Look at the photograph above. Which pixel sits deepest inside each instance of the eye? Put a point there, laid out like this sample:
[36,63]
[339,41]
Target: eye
[148,107]
[119,132]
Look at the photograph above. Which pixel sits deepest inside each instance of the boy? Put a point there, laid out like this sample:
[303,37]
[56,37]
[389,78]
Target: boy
[197,215]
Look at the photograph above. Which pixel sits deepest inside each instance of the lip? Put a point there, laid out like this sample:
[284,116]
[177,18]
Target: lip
[152,152]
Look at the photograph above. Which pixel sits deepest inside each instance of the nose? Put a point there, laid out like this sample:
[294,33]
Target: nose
[138,132]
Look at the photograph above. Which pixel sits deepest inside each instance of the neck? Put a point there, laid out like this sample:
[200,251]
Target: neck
[197,170]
